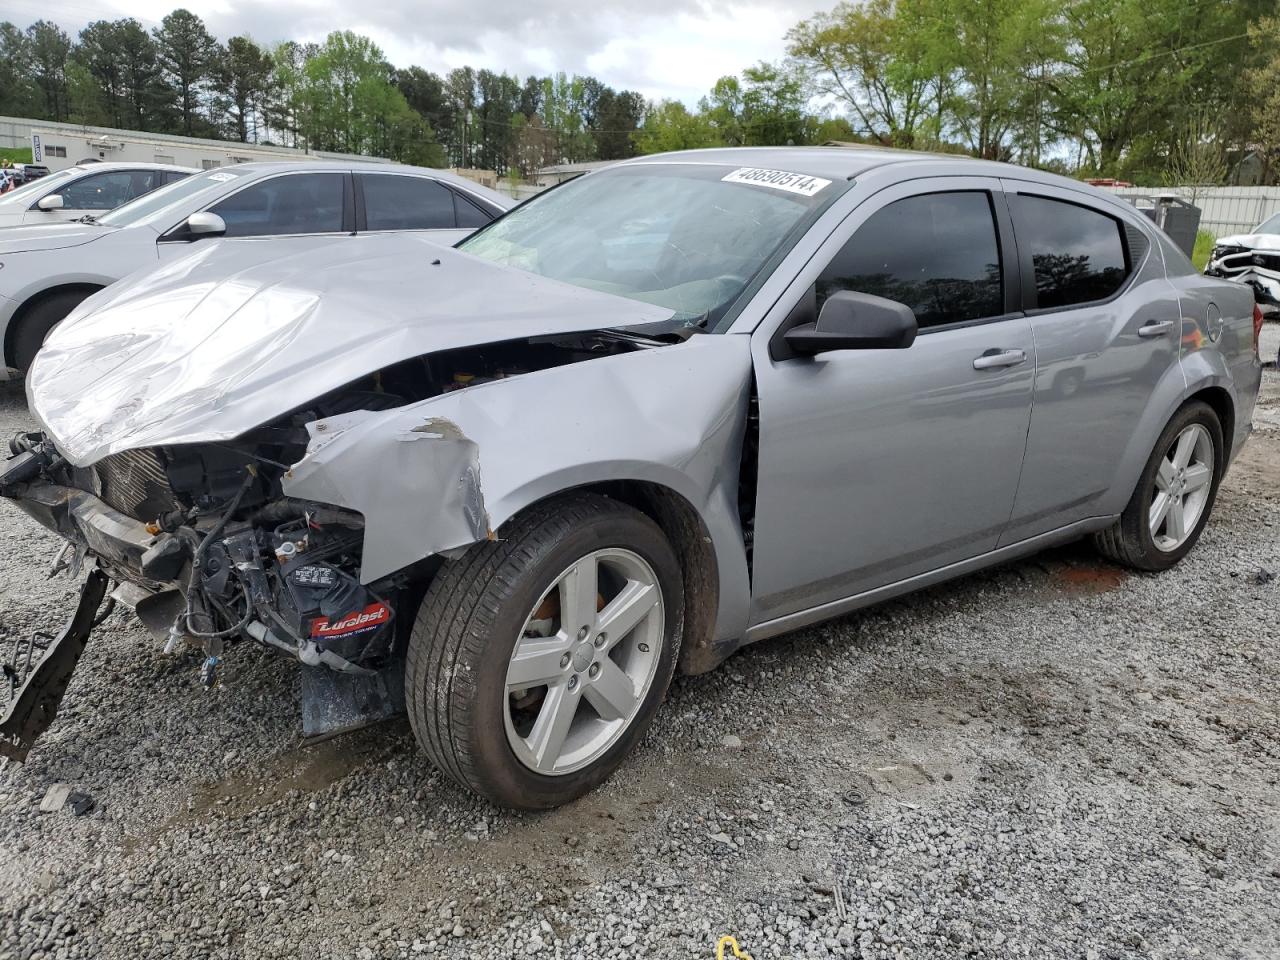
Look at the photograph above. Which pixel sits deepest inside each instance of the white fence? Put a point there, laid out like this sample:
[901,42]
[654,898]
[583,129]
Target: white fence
[1224,210]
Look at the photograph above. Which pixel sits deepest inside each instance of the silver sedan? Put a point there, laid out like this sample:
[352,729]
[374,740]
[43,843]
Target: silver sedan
[675,406]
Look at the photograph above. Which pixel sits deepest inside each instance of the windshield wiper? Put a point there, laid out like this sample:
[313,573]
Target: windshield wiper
[87,218]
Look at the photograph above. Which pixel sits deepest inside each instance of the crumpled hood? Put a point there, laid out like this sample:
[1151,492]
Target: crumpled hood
[48,236]
[239,333]
[1254,241]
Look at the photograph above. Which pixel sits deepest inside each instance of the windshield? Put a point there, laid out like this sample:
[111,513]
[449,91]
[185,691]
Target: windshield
[1270,225]
[28,192]
[690,237]
[157,203]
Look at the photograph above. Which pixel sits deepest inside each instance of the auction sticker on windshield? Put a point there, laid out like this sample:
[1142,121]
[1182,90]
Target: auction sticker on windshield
[800,183]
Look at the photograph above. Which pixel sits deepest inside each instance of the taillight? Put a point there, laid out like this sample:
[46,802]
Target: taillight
[1257,330]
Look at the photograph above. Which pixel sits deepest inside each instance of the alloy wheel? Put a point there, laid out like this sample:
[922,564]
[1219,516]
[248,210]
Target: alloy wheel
[1183,483]
[584,662]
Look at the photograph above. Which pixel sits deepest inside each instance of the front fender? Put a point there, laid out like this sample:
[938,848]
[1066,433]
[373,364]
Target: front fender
[439,475]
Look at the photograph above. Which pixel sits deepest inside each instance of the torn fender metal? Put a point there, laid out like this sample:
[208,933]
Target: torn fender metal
[442,474]
[239,333]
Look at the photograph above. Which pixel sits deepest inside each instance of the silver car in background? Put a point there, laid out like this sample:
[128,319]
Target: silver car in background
[45,271]
[675,406]
[85,190]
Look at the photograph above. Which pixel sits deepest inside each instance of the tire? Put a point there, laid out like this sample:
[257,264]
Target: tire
[38,320]
[1131,541]
[461,647]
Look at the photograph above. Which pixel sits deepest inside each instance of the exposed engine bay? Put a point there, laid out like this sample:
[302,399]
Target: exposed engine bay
[202,541]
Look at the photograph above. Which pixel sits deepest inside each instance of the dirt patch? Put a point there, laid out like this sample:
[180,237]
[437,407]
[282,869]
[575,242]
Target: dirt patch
[1091,579]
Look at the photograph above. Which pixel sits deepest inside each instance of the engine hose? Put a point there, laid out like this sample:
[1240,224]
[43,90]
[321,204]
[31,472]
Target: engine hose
[197,562]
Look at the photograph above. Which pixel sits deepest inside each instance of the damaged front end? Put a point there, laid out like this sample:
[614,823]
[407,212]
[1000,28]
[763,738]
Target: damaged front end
[206,549]
[209,545]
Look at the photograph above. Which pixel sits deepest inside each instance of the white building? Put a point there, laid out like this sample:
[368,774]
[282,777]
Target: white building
[61,145]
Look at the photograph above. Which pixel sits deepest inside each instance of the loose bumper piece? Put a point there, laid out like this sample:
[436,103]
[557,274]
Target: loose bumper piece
[38,693]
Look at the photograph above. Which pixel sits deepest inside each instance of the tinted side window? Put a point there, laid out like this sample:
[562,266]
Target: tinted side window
[468,213]
[1078,254]
[937,253]
[294,203]
[101,191]
[394,202]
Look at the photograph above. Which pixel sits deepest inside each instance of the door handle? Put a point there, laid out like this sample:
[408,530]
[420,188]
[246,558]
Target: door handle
[999,358]
[1156,328]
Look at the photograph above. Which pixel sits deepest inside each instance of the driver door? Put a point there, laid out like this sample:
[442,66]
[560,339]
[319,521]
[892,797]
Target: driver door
[878,465]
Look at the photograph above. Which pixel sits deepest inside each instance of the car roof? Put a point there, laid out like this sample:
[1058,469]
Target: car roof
[850,162]
[100,165]
[264,167]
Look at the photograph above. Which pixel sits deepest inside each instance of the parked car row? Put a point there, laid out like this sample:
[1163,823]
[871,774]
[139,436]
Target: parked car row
[85,189]
[48,270]
[677,405]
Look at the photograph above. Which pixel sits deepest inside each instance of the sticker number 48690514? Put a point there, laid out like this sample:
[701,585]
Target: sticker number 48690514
[800,183]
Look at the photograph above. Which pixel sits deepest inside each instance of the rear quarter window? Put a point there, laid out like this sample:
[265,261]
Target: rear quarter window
[1078,254]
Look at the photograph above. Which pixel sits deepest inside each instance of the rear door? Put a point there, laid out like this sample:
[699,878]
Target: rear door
[409,202]
[879,465]
[1106,325]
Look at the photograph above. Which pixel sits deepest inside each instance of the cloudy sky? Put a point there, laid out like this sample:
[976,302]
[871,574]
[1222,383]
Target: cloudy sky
[663,48]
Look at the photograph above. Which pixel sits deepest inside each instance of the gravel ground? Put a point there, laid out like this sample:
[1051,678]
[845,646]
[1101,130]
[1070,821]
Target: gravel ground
[1053,759]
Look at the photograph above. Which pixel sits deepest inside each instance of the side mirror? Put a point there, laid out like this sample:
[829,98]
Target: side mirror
[855,321]
[53,201]
[206,224]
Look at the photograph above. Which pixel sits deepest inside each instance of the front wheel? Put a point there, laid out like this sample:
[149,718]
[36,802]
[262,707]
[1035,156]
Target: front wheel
[1175,494]
[538,660]
[37,323]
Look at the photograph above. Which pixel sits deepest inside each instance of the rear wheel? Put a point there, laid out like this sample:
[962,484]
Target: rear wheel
[538,660]
[38,320]
[1174,496]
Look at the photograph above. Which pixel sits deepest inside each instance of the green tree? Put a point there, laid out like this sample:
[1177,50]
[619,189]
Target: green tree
[722,109]
[668,125]
[563,113]
[774,106]
[243,75]
[17,93]
[425,93]
[497,103]
[1265,79]
[187,54]
[617,117]
[350,105]
[863,56]
[996,48]
[460,89]
[50,49]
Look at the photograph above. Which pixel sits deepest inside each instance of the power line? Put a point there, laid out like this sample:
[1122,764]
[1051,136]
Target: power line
[1161,53]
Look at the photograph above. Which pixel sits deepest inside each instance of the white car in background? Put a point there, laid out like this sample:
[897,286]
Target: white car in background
[46,271]
[1251,258]
[85,189]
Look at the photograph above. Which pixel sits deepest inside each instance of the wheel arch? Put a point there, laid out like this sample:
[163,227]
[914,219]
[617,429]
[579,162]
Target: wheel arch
[1220,401]
[34,300]
[690,535]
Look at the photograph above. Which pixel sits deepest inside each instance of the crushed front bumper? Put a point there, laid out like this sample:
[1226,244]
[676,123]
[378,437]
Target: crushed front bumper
[1241,267]
[116,540]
